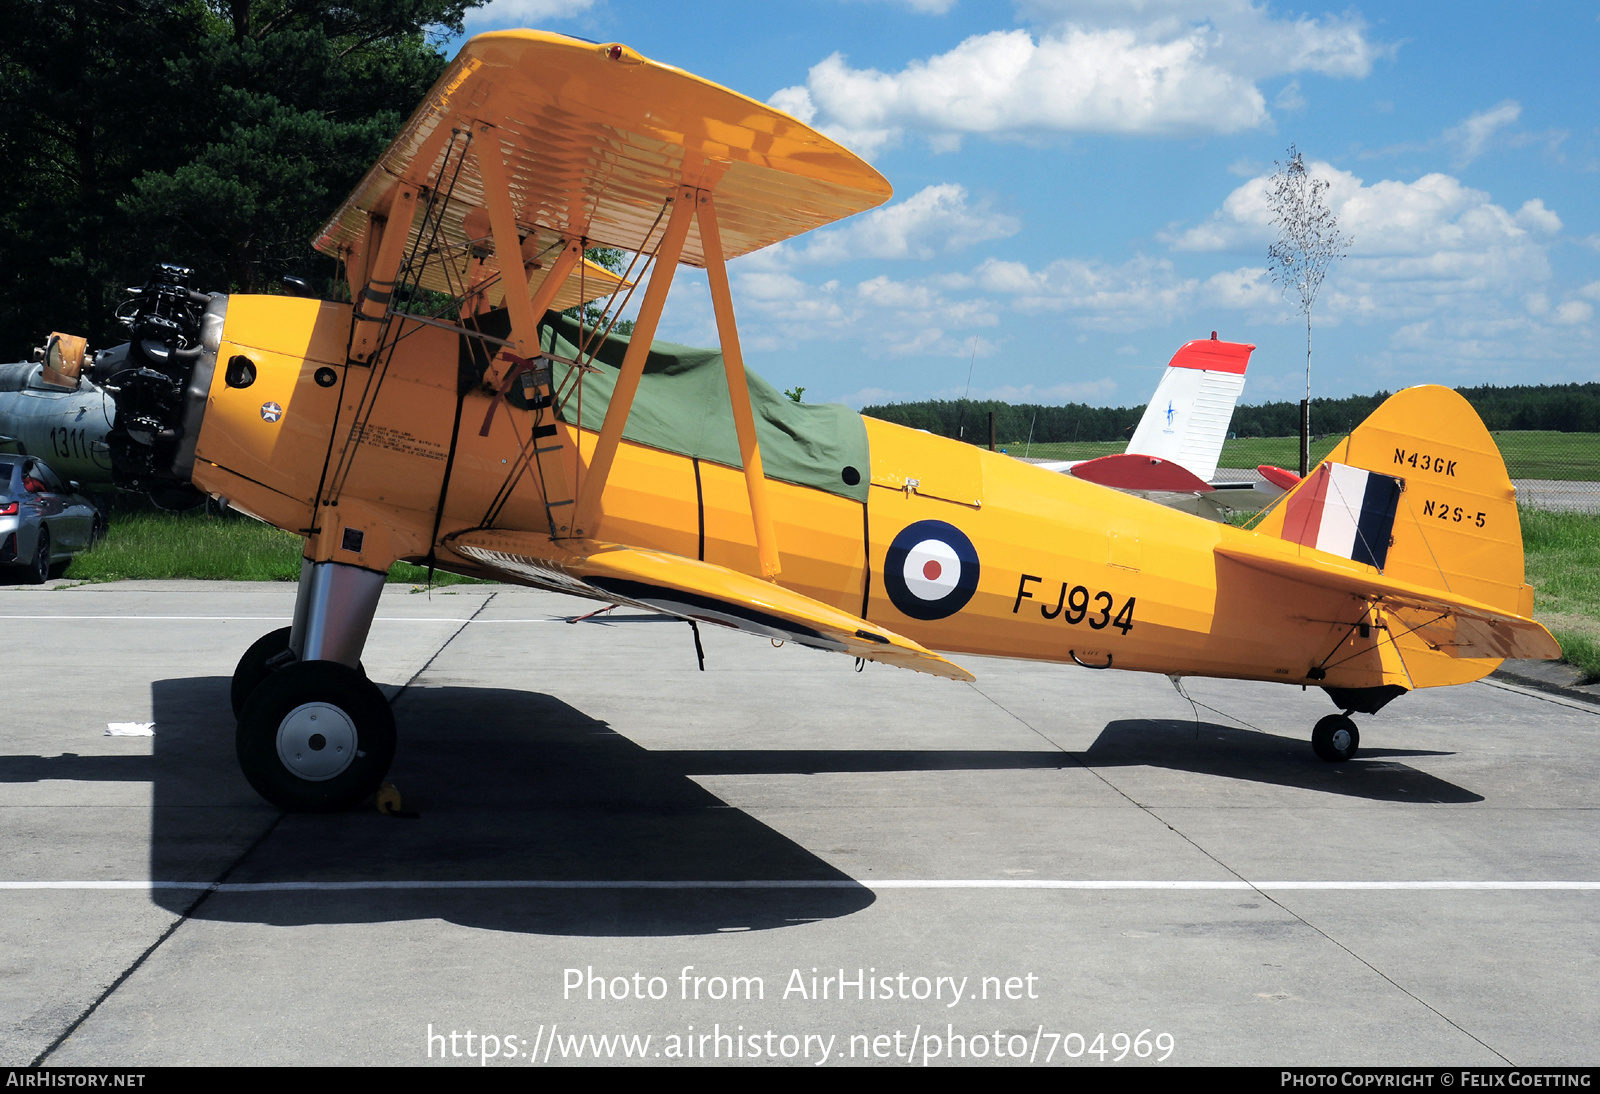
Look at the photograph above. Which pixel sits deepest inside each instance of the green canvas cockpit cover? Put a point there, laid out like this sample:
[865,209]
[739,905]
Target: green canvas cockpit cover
[682,406]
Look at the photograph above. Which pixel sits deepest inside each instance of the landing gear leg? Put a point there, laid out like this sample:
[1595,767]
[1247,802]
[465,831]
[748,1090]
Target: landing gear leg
[314,734]
[1335,738]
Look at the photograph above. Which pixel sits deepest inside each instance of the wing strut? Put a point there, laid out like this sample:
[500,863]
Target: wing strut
[644,332]
[755,479]
[525,312]
[688,203]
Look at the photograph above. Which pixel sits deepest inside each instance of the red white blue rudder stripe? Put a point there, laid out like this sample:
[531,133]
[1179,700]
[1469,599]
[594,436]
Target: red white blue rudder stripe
[1346,511]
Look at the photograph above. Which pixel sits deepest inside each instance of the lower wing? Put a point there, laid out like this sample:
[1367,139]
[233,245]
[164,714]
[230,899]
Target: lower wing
[697,591]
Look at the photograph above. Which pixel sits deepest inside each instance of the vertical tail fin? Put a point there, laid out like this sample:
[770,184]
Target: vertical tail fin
[1419,491]
[1187,419]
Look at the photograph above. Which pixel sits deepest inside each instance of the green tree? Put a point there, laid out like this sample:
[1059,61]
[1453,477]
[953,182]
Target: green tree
[594,313]
[214,133]
[87,103]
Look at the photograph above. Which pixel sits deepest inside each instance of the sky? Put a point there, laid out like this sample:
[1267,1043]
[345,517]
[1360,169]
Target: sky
[1080,188]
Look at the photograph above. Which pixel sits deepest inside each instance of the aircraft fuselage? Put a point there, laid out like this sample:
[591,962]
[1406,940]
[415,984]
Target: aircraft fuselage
[957,548]
[66,427]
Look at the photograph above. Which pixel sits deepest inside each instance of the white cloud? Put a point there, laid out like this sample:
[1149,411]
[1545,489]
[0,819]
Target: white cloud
[885,317]
[1140,293]
[927,7]
[1290,99]
[1477,134]
[1591,290]
[1100,68]
[1472,136]
[1415,245]
[1535,217]
[1247,288]
[795,101]
[517,13]
[936,220]
[1241,34]
[1574,312]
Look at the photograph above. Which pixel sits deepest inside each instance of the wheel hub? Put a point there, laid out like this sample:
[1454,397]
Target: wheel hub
[1341,740]
[316,741]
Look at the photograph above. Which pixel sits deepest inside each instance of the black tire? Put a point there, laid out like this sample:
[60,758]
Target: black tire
[38,571]
[1335,738]
[253,667]
[287,757]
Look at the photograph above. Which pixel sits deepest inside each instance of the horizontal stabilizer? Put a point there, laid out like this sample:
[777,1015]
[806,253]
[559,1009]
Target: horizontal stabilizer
[1277,476]
[1451,624]
[691,590]
[1127,471]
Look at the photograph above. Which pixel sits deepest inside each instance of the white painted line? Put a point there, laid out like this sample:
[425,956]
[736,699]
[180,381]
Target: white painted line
[130,729]
[884,885]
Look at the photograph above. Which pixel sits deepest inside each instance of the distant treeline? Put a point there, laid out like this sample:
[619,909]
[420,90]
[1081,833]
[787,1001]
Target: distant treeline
[1567,408]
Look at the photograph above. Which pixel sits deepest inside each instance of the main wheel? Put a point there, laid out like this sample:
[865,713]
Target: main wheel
[38,571]
[1335,738]
[315,737]
[261,660]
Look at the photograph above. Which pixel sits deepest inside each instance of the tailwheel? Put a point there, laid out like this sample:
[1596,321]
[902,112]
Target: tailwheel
[1335,738]
[315,737]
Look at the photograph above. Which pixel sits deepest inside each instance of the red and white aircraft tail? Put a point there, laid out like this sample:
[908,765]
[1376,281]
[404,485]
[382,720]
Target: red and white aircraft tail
[1187,419]
[1174,451]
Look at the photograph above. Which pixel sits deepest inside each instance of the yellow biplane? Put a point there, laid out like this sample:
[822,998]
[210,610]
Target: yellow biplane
[453,416]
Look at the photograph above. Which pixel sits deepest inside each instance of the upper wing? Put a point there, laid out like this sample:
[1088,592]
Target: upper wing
[1451,624]
[596,138]
[700,591]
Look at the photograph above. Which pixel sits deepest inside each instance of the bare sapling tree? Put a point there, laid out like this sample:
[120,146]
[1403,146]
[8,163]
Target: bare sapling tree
[1309,241]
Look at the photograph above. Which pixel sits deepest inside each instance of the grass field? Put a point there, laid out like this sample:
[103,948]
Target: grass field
[190,545]
[1528,454]
[1562,552]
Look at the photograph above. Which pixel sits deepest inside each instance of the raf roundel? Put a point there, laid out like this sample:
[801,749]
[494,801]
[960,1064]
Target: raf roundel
[931,570]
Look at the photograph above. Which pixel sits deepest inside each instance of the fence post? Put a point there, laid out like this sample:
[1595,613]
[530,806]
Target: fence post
[1305,437]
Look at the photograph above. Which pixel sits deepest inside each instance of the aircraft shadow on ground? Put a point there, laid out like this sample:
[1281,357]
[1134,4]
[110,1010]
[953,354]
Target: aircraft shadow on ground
[517,785]
[1210,749]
